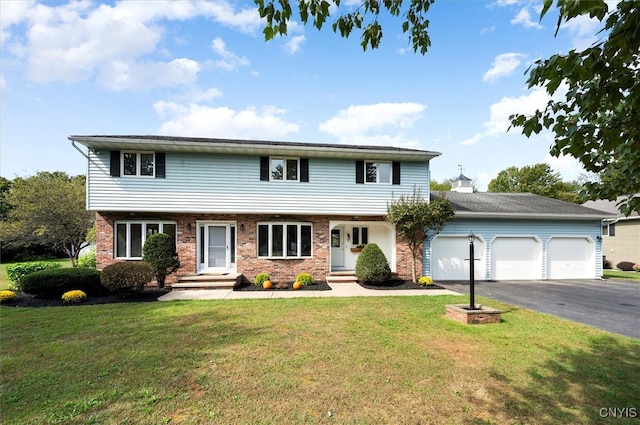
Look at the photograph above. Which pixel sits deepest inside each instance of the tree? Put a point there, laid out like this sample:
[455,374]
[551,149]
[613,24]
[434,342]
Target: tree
[538,179]
[597,123]
[416,220]
[445,186]
[48,209]
[5,185]
[598,119]
[159,250]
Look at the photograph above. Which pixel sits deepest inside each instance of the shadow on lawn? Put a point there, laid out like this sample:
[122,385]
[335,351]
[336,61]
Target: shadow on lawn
[586,386]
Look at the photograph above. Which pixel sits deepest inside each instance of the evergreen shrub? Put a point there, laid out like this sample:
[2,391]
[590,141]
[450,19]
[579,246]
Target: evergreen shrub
[372,266]
[127,276]
[52,283]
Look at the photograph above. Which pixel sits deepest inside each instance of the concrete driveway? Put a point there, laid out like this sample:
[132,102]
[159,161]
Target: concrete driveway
[610,305]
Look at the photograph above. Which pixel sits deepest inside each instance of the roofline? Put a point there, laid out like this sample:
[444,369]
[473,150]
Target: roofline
[256,147]
[532,216]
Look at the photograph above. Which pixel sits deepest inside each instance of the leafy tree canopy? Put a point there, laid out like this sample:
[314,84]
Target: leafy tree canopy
[445,186]
[47,209]
[538,179]
[598,120]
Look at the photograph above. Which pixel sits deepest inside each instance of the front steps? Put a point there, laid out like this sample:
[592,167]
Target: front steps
[348,276]
[208,281]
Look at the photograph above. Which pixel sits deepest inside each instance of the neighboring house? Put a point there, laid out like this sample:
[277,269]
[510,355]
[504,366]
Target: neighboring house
[620,234]
[246,207]
[519,236]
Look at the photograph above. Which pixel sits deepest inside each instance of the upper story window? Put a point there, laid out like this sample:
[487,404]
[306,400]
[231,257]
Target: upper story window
[609,229]
[130,236]
[283,169]
[284,240]
[377,172]
[138,164]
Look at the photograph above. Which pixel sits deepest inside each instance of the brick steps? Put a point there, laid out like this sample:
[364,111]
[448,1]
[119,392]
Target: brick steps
[208,281]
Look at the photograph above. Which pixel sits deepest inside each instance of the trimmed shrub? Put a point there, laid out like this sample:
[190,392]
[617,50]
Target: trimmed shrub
[636,267]
[7,296]
[88,260]
[305,279]
[74,297]
[606,264]
[52,283]
[16,272]
[372,266]
[159,250]
[425,281]
[127,276]
[625,266]
[261,278]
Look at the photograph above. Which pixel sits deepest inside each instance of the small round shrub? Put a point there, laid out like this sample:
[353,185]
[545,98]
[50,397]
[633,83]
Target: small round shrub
[74,297]
[305,279]
[159,250]
[16,272]
[52,283]
[261,278]
[606,264]
[127,276]
[88,260]
[636,267]
[7,296]
[372,266]
[625,266]
[425,281]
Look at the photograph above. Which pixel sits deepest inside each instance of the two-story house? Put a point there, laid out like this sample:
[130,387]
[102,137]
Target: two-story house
[245,206]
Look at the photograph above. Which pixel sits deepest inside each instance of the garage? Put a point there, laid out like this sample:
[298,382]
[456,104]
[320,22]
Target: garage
[516,258]
[570,258]
[450,258]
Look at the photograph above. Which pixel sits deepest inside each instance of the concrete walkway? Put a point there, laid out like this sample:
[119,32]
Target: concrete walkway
[337,290]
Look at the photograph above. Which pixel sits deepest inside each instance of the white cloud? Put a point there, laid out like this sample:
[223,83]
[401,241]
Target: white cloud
[229,61]
[376,124]
[203,121]
[294,43]
[568,167]
[80,40]
[523,17]
[503,66]
[119,75]
[583,31]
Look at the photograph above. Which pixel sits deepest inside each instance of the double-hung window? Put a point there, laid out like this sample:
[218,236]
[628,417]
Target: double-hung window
[284,240]
[378,172]
[138,164]
[130,236]
[284,169]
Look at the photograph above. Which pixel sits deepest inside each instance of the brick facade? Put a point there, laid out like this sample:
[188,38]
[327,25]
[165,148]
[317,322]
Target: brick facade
[246,259]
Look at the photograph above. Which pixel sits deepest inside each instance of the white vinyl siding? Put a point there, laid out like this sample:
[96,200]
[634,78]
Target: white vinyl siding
[198,182]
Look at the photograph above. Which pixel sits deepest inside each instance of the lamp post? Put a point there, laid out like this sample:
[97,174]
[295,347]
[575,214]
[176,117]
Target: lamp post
[472,301]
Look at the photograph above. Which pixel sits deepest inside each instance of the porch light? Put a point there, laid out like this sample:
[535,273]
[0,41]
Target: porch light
[242,227]
[472,301]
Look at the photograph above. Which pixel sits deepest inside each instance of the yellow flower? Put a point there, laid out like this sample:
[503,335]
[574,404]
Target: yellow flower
[74,297]
[7,295]
[425,280]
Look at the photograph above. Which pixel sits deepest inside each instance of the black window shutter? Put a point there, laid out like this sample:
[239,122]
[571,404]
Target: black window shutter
[396,173]
[264,168]
[360,172]
[115,164]
[160,165]
[304,170]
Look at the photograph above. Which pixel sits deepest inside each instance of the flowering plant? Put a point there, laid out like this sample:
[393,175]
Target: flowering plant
[425,280]
[7,295]
[74,297]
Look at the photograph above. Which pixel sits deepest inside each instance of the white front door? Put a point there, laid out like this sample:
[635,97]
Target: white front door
[337,248]
[216,247]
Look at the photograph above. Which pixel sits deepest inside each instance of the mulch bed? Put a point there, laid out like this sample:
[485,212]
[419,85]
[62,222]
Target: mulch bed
[148,295]
[317,285]
[399,284]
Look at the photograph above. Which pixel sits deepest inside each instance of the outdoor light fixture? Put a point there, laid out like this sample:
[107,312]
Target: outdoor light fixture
[242,227]
[472,301]
[189,226]
[348,237]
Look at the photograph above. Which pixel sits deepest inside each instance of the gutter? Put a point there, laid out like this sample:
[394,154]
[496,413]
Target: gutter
[73,143]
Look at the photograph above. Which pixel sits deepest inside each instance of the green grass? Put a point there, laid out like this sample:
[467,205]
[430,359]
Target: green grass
[378,360]
[617,274]
[4,280]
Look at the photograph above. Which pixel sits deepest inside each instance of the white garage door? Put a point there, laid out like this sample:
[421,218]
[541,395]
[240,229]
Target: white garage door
[570,258]
[516,258]
[450,258]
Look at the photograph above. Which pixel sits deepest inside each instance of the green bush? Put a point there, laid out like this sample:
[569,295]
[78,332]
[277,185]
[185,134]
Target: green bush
[16,272]
[159,250]
[88,260]
[127,276]
[261,278]
[305,279]
[372,266]
[625,266]
[54,282]
[74,297]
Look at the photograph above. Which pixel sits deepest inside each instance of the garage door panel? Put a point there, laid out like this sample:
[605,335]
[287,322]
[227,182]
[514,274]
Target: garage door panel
[448,256]
[516,258]
[570,258]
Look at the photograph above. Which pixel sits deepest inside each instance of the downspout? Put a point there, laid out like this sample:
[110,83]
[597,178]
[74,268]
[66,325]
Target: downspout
[73,143]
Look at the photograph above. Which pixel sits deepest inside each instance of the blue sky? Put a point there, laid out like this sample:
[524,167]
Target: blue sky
[202,68]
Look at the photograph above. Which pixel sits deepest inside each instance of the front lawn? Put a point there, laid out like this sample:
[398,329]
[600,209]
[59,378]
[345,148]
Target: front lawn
[619,274]
[377,360]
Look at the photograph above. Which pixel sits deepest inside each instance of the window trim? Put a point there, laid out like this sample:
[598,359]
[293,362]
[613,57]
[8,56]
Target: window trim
[284,224]
[138,164]
[284,174]
[360,235]
[144,223]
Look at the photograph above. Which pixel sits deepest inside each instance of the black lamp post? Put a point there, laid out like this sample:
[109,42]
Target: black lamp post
[472,296]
